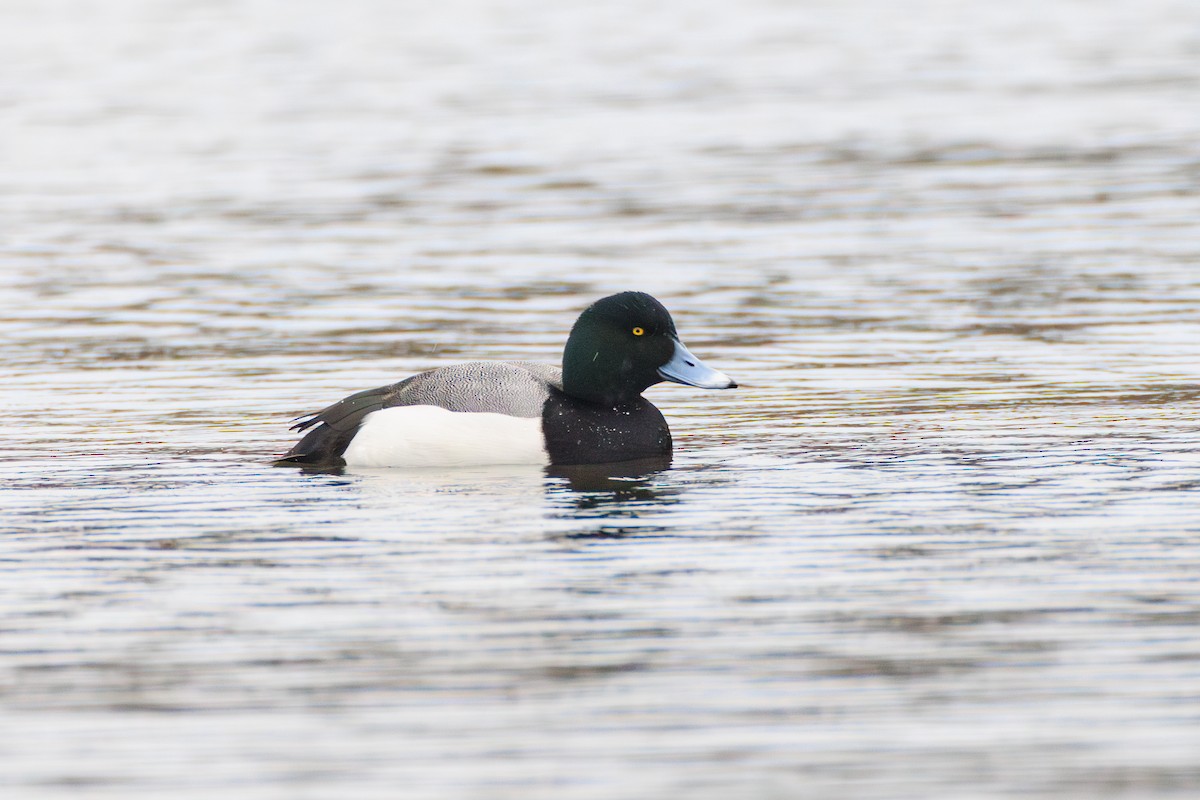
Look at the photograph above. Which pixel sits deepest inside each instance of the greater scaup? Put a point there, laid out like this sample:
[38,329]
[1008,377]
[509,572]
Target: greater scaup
[517,412]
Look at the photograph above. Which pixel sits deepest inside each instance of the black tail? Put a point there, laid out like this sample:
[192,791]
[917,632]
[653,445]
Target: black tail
[322,446]
[335,427]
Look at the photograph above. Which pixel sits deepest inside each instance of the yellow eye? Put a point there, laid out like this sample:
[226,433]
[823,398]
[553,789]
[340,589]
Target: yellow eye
[638,331]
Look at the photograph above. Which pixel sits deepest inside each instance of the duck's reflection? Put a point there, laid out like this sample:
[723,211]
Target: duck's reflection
[621,476]
[628,479]
[611,500]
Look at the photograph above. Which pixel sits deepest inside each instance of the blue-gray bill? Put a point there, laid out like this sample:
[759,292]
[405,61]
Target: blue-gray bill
[685,368]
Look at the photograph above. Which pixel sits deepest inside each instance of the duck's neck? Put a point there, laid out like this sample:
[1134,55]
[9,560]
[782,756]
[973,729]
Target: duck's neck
[600,374]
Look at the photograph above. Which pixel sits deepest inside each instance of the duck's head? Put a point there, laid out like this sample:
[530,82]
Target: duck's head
[626,343]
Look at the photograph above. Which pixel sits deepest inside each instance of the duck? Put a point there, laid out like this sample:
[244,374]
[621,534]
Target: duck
[491,413]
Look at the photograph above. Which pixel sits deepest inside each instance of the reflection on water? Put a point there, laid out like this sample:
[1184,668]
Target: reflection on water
[622,479]
[942,542]
[612,500]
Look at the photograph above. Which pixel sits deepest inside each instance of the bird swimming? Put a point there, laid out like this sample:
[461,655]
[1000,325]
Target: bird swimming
[480,413]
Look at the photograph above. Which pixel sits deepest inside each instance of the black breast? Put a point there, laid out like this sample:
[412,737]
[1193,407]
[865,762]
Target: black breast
[578,432]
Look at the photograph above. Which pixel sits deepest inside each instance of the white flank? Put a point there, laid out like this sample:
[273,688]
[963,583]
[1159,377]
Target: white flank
[428,436]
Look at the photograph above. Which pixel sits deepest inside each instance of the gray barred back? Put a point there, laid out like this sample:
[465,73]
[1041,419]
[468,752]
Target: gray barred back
[514,388]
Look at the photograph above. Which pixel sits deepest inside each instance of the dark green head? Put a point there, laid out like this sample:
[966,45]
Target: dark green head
[624,344]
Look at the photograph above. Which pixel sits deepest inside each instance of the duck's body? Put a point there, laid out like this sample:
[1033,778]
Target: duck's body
[477,414]
[487,413]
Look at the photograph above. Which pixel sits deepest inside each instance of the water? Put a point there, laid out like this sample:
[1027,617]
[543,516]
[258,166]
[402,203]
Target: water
[942,542]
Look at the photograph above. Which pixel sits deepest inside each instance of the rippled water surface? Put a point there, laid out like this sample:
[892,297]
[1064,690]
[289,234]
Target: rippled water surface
[943,542]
